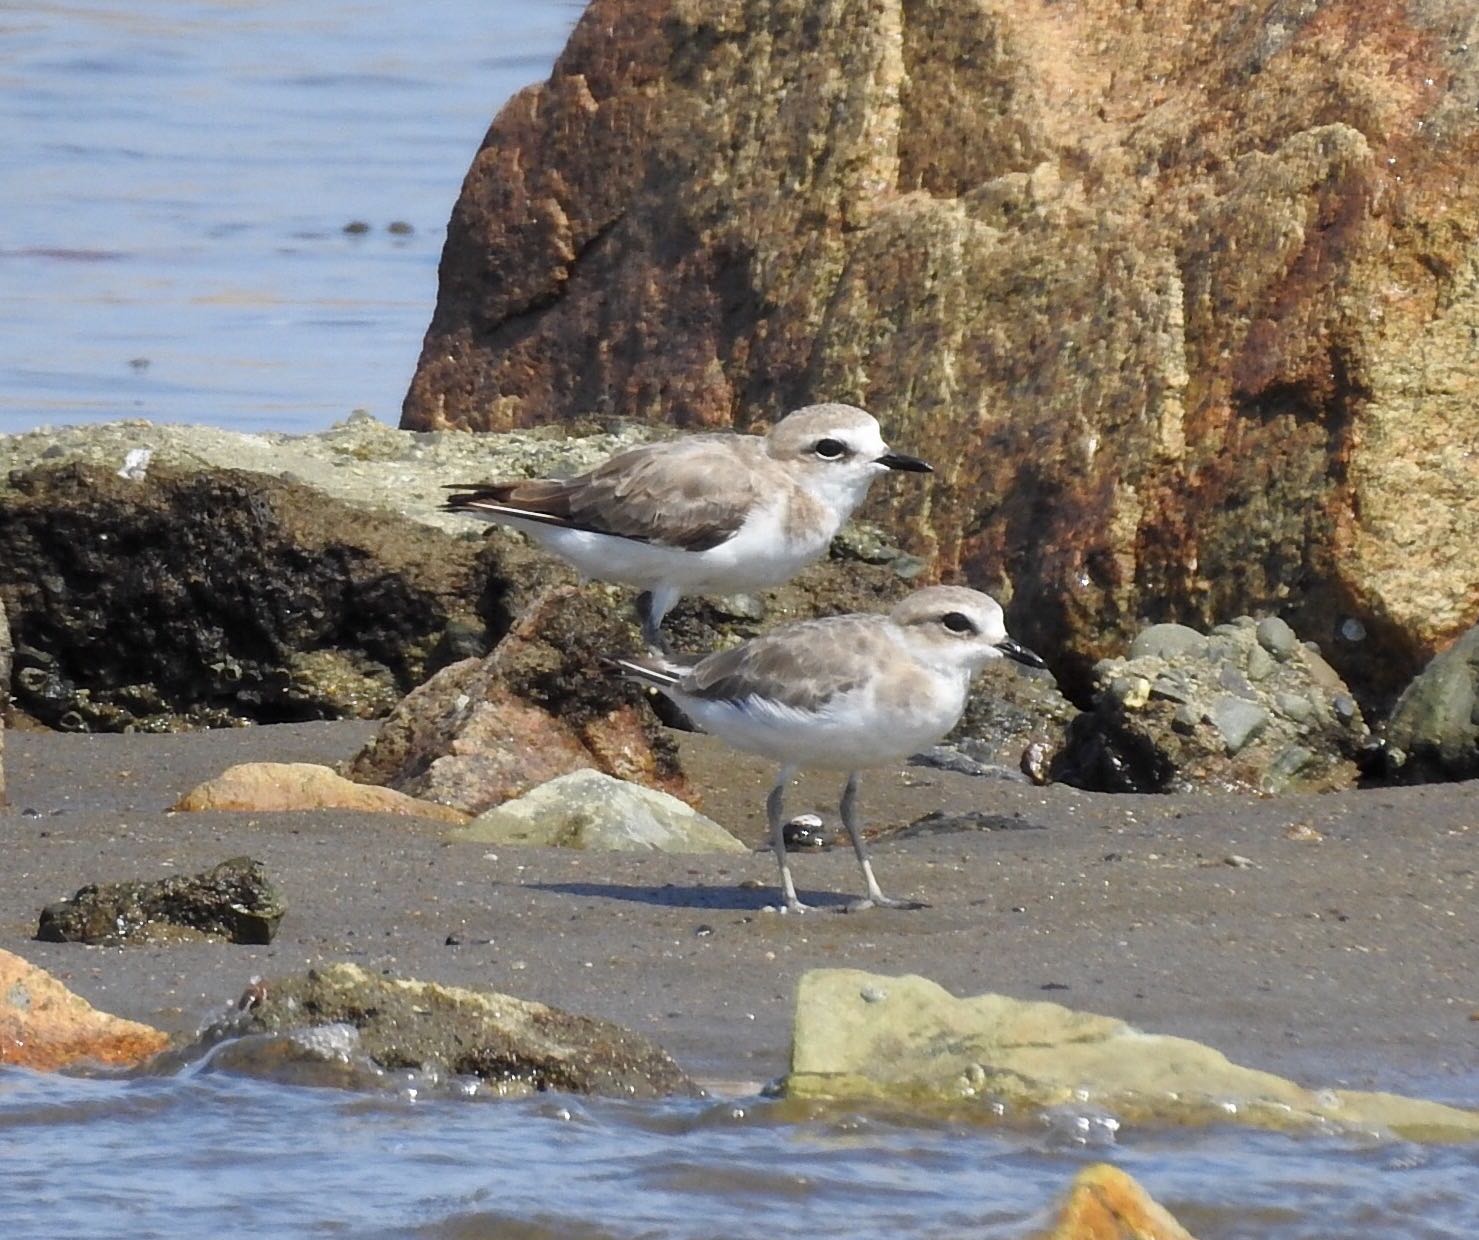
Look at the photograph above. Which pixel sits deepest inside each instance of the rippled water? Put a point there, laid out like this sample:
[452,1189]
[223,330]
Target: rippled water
[178,179]
[210,1153]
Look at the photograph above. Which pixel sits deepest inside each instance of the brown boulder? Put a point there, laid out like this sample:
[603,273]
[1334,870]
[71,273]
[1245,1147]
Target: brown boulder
[1106,1204]
[1178,298]
[44,1026]
[542,704]
[287,786]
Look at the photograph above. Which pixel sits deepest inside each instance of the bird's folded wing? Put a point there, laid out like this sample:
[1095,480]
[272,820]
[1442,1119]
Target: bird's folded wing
[804,667]
[689,495]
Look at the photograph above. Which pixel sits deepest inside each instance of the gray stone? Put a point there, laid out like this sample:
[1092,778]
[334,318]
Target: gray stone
[1225,649]
[591,810]
[906,1040]
[1285,767]
[1186,718]
[957,758]
[1238,720]
[1433,733]
[1171,688]
[1275,636]
[1260,664]
[1158,741]
[1166,641]
[1345,708]
[1231,679]
[1295,706]
[739,607]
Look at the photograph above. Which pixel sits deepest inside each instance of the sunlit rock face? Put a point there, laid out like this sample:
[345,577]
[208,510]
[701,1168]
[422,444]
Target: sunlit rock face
[1179,298]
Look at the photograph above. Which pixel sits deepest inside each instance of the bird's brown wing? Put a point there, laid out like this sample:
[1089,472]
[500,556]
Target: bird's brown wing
[802,666]
[693,494]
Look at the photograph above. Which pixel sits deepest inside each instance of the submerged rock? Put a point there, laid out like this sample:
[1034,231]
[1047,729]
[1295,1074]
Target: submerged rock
[234,901]
[1246,708]
[591,810]
[289,786]
[1106,1204]
[906,1039]
[1433,733]
[514,1044]
[542,704]
[44,1026]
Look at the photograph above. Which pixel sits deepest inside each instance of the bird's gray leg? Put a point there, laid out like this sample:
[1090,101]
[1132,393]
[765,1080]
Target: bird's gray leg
[651,623]
[775,811]
[652,606]
[875,896]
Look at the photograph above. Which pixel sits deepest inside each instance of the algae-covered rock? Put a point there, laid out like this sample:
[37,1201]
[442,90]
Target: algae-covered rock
[590,810]
[1178,298]
[44,1026]
[234,901]
[1245,708]
[192,597]
[516,1044]
[290,786]
[906,1039]
[1104,1203]
[1433,733]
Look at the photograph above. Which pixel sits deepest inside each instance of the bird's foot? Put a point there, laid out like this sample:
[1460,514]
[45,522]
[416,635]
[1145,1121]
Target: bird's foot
[881,901]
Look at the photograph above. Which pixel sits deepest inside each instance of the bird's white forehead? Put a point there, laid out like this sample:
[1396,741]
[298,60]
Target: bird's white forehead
[802,428]
[929,604]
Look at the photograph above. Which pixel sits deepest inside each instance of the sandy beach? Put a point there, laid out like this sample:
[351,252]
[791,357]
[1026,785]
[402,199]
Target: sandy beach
[1327,938]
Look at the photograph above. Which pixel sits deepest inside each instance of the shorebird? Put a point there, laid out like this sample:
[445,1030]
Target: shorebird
[842,693]
[707,514]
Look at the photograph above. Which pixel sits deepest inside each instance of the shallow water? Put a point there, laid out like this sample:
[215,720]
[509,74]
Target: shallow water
[179,176]
[207,1152]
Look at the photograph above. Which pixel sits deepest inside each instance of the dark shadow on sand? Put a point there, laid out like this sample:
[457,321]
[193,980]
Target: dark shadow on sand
[701,895]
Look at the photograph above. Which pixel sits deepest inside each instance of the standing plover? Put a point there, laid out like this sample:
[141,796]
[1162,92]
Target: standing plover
[842,693]
[708,514]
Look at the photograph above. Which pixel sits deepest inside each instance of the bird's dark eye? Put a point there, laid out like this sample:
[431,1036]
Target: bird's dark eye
[830,449]
[957,623]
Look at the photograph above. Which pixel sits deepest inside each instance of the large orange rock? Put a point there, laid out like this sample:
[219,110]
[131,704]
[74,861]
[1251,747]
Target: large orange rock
[1179,297]
[278,786]
[43,1025]
[1106,1204]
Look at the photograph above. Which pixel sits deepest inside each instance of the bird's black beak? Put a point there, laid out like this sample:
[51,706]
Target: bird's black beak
[1020,653]
[909,464]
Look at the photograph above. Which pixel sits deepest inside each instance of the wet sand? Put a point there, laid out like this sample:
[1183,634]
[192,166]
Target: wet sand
[1343,953]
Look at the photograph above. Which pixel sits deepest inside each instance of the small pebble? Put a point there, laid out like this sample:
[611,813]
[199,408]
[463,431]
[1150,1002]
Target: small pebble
[1236,861]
